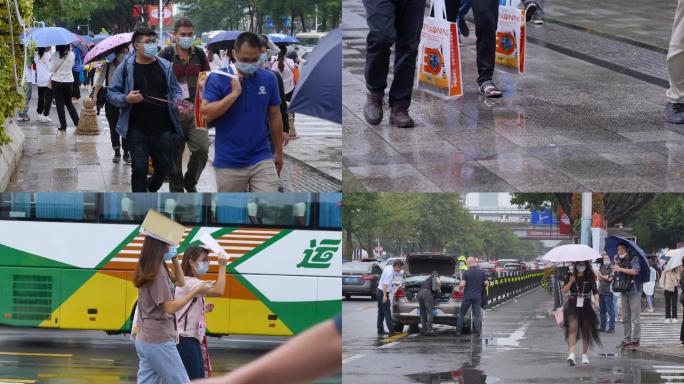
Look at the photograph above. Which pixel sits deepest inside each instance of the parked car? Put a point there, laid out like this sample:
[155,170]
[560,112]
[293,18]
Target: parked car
[489,268]
[418,267]
[360,278]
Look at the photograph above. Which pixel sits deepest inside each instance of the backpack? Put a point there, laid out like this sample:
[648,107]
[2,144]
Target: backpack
[622,282]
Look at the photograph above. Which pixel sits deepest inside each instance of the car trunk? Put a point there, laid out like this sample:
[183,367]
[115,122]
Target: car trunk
[353,274]
[425,264]
[412,286]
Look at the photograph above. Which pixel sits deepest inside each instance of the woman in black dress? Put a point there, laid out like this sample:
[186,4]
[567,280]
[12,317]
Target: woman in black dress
[579,315]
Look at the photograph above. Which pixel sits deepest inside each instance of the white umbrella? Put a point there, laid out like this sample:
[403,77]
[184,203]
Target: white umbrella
[571,252]
[675,261]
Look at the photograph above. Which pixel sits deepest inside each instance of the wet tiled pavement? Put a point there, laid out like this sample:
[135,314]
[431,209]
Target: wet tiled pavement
[586,117]
[56,161]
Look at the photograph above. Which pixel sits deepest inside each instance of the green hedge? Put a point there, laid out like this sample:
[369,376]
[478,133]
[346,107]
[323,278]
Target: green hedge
[10,99]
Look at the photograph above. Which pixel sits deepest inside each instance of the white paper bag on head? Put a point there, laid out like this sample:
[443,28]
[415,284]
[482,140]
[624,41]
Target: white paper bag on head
[212,244]
[510,37]
[439,58]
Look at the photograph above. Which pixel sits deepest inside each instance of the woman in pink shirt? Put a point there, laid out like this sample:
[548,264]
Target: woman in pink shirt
[191,322]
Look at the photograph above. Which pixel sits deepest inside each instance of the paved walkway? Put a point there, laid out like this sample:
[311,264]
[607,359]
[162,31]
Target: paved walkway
[587,115]
[64,161]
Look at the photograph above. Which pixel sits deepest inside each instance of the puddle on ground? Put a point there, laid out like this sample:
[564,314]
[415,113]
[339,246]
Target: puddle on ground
[461,376]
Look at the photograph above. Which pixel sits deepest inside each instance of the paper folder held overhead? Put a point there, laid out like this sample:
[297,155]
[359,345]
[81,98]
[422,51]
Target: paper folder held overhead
[162,228]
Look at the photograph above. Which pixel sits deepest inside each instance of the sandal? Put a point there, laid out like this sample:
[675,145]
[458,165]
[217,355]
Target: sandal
[490,90]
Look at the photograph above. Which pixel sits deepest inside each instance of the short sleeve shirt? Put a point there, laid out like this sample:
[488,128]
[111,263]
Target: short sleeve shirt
[386,278]
[474,278]
[242,134]
[584,286]
[188,325]
[155,325]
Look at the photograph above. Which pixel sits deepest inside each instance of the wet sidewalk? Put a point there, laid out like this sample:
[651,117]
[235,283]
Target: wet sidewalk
[64,161]
[587,115]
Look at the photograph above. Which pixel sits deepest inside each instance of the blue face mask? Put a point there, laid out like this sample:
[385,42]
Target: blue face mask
[185,42]
[150,50]
[247,68]
[263,58]
[171,253]
[120,57]
[203,267]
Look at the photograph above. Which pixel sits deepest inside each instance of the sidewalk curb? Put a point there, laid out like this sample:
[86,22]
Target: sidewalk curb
[10,153]
[315,170]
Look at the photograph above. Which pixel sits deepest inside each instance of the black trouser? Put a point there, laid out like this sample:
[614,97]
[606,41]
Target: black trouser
[76,91]
[112,114]
[384,312]
[486,15]
[142,146]
[190,353]
[62,93]
[671,303]
[398,23]
[44,101]
[426,303]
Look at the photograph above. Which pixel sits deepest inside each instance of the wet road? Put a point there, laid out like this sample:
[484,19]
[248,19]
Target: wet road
[56,356]
[520,344]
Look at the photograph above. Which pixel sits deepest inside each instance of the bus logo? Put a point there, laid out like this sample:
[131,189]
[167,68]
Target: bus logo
[319,256]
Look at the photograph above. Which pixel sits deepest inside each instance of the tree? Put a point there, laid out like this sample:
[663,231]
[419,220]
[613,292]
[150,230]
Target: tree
[660,224]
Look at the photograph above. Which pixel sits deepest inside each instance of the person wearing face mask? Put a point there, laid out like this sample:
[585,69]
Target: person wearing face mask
[630,267]
[191,321]
[155,326]
[579,315]
[111,112]
[244,107]
[145,90]
[188,61]
[263,61]
[605,277]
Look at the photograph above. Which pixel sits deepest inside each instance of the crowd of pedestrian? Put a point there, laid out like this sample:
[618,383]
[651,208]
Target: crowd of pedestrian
[149,96]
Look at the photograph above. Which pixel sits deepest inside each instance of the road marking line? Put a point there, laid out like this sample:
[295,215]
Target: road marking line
[107,360]
[352,358]
[389,344]
[28,381]
[36,354]
[395,337]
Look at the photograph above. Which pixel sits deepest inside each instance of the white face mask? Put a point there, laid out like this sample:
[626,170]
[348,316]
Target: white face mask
[581,268]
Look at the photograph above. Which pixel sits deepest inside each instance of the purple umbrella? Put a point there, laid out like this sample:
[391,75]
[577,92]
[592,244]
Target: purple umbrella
[107,46]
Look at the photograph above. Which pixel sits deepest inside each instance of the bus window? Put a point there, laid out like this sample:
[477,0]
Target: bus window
[65,206]
[229,208]
[276,209]
[330,210]
[181,207]
[132,207]
[16,205]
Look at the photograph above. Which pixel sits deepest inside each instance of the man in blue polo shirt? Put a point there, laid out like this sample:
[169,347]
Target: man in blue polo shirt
[244,106]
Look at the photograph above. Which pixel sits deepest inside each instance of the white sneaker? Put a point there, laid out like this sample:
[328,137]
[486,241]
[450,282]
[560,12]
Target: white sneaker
[41,118]
[48,119]
[571,359]
[667,321]
[673,320]
[585,358]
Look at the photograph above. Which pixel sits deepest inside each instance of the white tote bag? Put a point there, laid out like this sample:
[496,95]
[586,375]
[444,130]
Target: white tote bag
[510,37]
[439,60]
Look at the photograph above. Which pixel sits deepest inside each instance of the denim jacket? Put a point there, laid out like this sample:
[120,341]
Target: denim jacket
[117,92]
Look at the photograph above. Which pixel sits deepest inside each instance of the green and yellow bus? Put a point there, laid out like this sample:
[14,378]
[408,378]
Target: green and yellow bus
[67,259]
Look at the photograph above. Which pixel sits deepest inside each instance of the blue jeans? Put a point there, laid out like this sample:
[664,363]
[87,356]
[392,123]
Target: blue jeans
[160,362]
[477,314]
[190,352]
[142,146]
[463,9]
[384,313]
[607,305]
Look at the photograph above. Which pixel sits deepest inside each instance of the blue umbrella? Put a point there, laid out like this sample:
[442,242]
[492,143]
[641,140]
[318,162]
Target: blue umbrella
[279,38]
[224,39]
[49,36]
[634,250]
[100,37]
[87,38]
[319,90]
